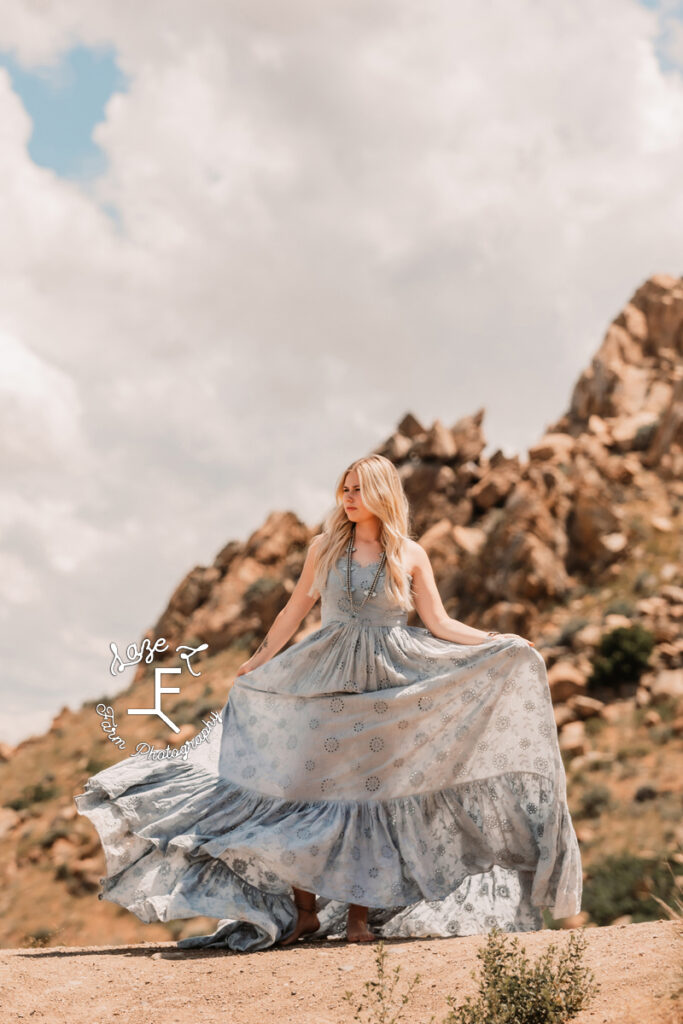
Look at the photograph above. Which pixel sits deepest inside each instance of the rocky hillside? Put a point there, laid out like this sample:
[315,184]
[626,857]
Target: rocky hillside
[565,546]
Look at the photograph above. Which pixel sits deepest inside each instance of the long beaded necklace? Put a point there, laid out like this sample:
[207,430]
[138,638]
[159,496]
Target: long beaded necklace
[370,592]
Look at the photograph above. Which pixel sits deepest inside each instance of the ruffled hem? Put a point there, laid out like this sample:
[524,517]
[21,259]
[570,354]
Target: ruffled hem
[180,841]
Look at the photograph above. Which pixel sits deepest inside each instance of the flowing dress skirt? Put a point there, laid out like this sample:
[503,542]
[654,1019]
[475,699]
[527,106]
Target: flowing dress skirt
[370,763]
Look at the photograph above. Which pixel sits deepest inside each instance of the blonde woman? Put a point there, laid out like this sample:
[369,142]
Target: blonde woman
[406,777]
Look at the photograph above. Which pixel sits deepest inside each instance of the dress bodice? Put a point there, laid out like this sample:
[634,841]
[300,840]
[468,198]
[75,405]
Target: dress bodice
[377,611]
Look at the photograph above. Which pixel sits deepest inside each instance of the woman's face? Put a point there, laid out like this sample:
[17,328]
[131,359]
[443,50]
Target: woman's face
[353,503]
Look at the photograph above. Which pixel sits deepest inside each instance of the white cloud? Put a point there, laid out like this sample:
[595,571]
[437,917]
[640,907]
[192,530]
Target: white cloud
[330,215]
[40,419]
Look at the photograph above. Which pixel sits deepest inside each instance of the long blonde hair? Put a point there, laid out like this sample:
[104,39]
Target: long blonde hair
[383,495]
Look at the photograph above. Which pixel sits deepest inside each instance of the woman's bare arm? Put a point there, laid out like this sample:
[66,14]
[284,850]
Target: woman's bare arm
[289,618]
[430,607]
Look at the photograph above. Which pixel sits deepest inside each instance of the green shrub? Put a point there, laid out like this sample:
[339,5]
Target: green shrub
[667,708]
[632,750]
[33,794]
[594,801]
[625,884]
[40,937]
[622,657]
[620,606]
[594,725]
[511,991]
[646,582]
[58,832]
[260,588]
[549,921]
[661,734]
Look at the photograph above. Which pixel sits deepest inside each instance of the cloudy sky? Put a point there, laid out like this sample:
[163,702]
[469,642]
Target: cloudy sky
[241,239]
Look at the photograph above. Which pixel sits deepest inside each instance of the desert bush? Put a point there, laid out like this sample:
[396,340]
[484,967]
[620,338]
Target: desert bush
[632,750]
[622,657]
[620,606]
[54,833]
[40,937]
[594,801]
[260,588]
[667,708]
[621,884]
[661,734]
[513,991]
[594,726]
[33,794]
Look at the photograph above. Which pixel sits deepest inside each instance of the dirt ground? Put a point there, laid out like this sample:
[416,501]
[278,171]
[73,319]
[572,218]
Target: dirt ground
[639,968]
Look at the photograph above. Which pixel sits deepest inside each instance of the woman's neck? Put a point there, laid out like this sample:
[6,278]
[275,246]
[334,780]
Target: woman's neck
[368,533]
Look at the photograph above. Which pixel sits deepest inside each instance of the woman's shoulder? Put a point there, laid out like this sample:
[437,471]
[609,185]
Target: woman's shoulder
[413,555]
[314,542]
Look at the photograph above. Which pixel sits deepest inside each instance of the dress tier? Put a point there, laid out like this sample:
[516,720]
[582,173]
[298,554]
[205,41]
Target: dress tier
[370,763]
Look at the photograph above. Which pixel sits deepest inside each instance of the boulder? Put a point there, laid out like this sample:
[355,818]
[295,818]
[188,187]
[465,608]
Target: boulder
[585,707]
[494,487]
[410,426]
[439,541]
[591,520]
[573,738]
[437,443]
[397,447]
[469,437]
[276,537]
[635,432]
[9,818]
[565,680]
[554,447]
[667,685]
[669,431]
[563,714]
[470,539]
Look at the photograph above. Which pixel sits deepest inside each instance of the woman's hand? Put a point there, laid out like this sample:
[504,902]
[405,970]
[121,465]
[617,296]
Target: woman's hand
[529,642]
[515,635]
[245,667]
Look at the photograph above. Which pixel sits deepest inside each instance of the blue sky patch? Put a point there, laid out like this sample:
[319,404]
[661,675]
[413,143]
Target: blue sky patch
[669,11]
[65,101]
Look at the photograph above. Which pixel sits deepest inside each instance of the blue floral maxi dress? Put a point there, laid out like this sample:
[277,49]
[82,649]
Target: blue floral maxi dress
[370,763]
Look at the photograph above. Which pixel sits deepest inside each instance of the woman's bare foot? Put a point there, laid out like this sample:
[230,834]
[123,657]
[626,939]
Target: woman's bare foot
[307,922]
[359,933]
[357,925]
